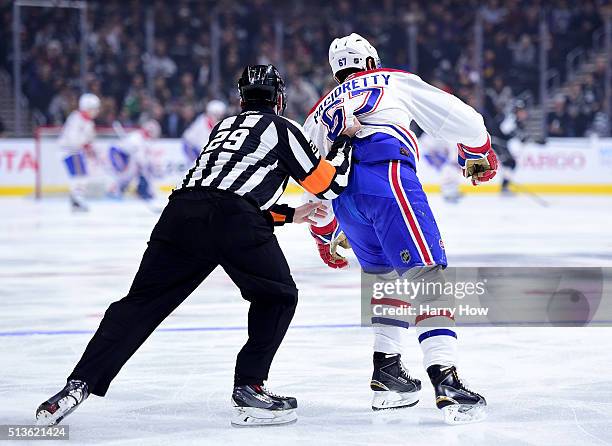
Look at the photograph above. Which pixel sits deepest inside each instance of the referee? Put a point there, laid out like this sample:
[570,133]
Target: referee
[222,213]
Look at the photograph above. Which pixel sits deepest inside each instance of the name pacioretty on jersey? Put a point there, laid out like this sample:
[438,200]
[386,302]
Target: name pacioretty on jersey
[377,79]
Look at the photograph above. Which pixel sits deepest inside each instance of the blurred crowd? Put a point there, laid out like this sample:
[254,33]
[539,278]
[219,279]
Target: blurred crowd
[174,83]
[581,111]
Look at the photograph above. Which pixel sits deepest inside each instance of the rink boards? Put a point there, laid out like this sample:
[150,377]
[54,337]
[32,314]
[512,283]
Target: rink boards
[33,166]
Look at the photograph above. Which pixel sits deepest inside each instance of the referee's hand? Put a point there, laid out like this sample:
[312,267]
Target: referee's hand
[307,212]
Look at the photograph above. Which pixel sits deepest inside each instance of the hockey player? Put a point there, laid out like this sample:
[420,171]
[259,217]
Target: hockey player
[222,213]
[384,212]
[76,142]
[129,160]
[503,129]
[196,135]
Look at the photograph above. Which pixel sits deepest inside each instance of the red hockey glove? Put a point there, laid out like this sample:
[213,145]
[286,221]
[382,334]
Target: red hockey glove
[328,239]
[478,163]
[89,151]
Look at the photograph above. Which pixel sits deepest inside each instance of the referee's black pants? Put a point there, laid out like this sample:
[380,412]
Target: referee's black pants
[197,231]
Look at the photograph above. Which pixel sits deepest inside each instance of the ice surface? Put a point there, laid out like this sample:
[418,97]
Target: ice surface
[59,272]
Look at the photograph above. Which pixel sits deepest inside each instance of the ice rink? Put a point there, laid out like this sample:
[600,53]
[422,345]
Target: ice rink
[60,271]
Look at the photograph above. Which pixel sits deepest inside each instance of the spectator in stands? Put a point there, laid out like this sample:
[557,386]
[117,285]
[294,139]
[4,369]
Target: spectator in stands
[601,124]
[180,69]
[180,53]
[188,114]
[499,96]
[64,101]
[40,89]
[301,94]
[559,123]
[133,100]
[172,123]
[579,110]
[108,112]
[159,64]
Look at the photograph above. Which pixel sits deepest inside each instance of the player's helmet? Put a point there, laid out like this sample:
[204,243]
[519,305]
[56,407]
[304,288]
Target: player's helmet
[89,102]
[262,84]
[351,53]
[216,109]
[151,128]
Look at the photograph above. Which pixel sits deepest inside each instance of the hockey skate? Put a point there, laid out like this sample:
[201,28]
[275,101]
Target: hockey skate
[62,404]
[254,405]
[77,204]
[459,404]
[392,385]
[506,190]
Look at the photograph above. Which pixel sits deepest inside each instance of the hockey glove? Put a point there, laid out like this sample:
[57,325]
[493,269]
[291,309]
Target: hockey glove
[328,239]
[478,163]
[89,151]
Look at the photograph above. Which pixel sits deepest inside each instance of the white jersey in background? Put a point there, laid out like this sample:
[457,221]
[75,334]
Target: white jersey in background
[129,160]
[196,135]
[78,132]
[76,143]
[135,145]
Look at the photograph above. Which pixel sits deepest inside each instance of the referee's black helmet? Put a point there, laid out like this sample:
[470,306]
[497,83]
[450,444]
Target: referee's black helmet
[262,84]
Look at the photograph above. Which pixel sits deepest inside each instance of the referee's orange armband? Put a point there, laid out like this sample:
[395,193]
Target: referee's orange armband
[319,179]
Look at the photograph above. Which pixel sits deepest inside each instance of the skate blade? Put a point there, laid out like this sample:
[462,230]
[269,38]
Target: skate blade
[456,414]
[46,418]
[254,417]
[394,400]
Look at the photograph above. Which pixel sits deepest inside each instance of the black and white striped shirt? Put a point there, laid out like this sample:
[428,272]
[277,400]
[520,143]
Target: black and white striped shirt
[254,153]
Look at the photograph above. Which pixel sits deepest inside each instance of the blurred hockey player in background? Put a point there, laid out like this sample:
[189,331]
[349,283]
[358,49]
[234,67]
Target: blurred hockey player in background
[76,142]
[384,212]
[128,158]
[441,155]
[502,128]
[196,135]
[501,132]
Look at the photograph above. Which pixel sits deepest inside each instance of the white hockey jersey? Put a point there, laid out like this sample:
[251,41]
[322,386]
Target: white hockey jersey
[198,132]
[387,101]
[78,131]
[135,145]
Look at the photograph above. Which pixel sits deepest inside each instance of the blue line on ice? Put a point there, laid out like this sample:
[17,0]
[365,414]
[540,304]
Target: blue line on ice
[175,329]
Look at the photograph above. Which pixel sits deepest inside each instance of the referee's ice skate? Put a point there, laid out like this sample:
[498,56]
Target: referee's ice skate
[62,404]
[392,385]
[459,404]
[254,405]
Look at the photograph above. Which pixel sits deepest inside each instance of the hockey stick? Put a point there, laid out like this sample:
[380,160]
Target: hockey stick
[535,197]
